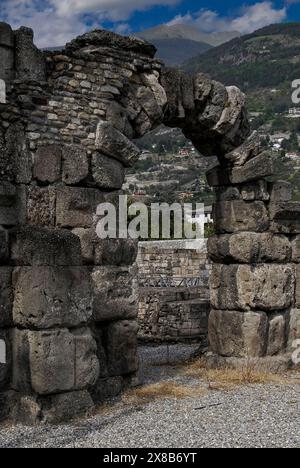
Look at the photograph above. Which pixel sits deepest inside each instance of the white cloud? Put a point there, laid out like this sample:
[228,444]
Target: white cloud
[250,18]
[57,21]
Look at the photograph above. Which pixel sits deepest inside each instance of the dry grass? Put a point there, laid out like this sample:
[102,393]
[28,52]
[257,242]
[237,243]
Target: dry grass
[161,390]
[227,378]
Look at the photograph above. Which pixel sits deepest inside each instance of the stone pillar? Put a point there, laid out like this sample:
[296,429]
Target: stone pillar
[253,282]
[6,53]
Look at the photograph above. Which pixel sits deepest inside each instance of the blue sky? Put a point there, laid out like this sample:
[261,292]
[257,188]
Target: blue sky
[57,21]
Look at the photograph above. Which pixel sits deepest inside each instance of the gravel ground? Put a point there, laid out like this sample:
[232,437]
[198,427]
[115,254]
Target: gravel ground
[253,416]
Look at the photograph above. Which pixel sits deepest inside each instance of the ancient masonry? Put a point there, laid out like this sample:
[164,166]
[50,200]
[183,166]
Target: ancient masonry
[173,291]
[67,312]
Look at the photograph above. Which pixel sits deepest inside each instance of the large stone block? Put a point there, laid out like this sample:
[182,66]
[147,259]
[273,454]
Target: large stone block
[237,334]
[249,247]
[293,329]
[19,158]
[115,251]
[29,60]
[75,164]
[36,246]
[108,173]
[285,217]
[108,388]
[295,243]
[47,164]
[121,345]
[46,297]
[4,246]
[113,294]
[251,191]
[6,53]
[6,296]
[76,207]
[41,206]
[53,361]
[61,408]
[237,215]
[248,150]
[262,287]
[115,145]
[281,191]
[44,361]
[276,335]
[257,168]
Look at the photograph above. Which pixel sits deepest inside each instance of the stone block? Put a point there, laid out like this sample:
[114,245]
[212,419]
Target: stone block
[114,144]
[61,408]
[6,53]
[53,361]
[237,334]
[19,158]
[295,243]
[108,388]
[86,361]
[76,207]
[115,251]
[257,168]
[249,247]
[263,287]
[108,173]
[281,191]
[6,296]
[276,335]
[293,328]
[285,217]
[113,294]
[41,206]
[6,355]
[248,150]
[7,194]
[46,297]
[47,163]
[37,246]
[4,246]
[121,346]
[87,242]
[29,60]
[75,164]
[237,215]
[218,177]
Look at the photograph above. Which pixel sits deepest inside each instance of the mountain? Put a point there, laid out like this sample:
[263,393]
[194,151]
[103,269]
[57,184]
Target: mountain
[266,58]
[183,31]
[176,51]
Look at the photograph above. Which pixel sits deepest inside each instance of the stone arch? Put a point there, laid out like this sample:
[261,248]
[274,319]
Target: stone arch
[66,135]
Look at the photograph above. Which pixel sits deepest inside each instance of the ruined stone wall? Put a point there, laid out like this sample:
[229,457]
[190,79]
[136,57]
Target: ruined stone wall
[67,308]
[173,292]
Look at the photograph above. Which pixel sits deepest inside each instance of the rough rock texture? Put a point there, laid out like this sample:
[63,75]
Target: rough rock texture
[67,307]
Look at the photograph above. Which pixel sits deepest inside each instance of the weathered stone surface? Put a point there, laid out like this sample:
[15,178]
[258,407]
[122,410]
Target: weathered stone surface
[6,52]
[115,145]
[242,287]
[293,329]
[281,191]
[248,150]
[4,247]
[76,207]
[276,336]
[285,217]
[238,334]
[51,296]
[249,247]
[41,206]
[237,215]
[19,161]
[121,341]
[295,243]
[115,251]
[35,246]
[108,388]
[6,296]
[61,408]
[113,294]
[252,191]
[29,60]
[152,81]
[218,176]
[108,173]
[5,367]
[50,362]
[297,295]
[232,111]
[87,243]
[104,38]
[47,163]
[86,362]
[256,168]
[75,164]
[43,361]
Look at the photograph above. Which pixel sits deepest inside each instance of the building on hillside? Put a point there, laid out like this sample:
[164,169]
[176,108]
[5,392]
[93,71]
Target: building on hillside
[294,112]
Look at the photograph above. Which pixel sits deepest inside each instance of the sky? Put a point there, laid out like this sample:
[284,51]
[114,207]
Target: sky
[57,21]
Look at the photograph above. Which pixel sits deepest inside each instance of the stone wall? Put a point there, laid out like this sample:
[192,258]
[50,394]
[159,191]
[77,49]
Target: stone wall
[67,308]
[173,291]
